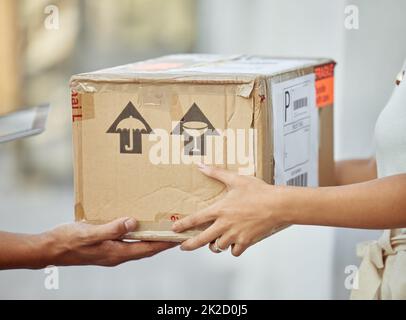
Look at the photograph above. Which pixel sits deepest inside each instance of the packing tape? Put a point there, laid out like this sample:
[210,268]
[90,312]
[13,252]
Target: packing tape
[88,106]
[82,100]
[245,90]
[83,107]
[78,163]
[79,212]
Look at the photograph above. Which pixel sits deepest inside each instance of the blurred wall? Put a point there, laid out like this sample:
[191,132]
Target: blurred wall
[9,67]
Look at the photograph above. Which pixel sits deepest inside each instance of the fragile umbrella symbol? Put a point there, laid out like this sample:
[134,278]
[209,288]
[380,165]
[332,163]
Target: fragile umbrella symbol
[134,127]
[130,125]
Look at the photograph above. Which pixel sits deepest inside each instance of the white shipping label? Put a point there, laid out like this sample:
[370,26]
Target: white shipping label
[296,124]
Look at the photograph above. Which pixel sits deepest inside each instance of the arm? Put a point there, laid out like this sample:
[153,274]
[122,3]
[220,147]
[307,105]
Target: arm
[75,244]
[376,204]
[354,171]
[252,209]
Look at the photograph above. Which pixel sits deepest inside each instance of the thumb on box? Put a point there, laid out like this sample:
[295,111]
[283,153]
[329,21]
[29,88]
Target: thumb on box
[114,230]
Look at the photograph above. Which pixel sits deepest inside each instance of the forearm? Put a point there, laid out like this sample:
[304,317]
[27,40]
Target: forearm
[355,171]
[252,210]
[21,251]
[377,204]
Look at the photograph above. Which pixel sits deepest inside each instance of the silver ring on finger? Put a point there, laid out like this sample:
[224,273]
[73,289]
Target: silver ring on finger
[217,247]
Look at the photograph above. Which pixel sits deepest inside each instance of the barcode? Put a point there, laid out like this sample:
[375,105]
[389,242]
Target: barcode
[299,181]
[300,103]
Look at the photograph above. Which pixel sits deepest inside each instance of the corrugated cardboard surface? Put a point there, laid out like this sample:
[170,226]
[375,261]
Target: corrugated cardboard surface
[111,184]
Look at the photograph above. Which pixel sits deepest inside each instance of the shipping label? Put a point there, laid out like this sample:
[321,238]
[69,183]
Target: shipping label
[295,121]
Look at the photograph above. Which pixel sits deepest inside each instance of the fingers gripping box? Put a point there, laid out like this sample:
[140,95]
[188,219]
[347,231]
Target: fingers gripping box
[139,131]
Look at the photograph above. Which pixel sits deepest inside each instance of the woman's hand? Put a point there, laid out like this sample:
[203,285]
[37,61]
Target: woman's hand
[246,215]
[252,210]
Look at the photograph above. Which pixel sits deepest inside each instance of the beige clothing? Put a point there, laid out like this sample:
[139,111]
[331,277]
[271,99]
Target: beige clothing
[382,273]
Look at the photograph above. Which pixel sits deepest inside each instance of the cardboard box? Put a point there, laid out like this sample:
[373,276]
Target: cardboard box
[140,129]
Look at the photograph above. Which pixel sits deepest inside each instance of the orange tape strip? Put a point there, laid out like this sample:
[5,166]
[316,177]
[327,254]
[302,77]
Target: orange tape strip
[325,92]
[324,85]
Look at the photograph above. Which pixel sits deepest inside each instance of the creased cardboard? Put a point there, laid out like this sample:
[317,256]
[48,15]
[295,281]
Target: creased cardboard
[139,130]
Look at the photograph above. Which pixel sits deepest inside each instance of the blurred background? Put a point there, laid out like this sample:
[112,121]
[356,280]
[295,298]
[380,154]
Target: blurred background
[39,54]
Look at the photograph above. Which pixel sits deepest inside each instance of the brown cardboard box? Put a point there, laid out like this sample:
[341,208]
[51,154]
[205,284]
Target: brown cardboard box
[140,129]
